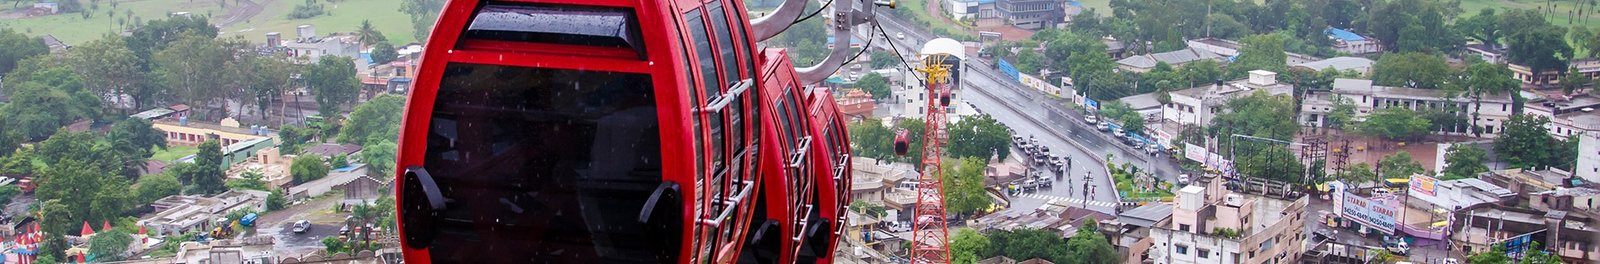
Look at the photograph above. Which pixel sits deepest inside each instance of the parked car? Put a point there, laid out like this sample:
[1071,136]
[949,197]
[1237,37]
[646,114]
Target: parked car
[901,35]
[302,226]
[1183,179]
[1091,119]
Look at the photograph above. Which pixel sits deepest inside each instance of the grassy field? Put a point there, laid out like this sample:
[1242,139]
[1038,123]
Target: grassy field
[1560,18]
[173,153]
[345,16]
[73,28]
[919,10]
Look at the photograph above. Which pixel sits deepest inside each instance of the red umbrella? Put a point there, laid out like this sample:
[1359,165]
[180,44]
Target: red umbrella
[86,230]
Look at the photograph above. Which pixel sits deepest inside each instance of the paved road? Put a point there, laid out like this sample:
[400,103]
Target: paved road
[1000,98]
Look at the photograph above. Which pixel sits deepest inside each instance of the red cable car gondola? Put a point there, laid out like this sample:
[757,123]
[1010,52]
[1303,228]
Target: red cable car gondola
[786,203]
[833,174]
[944,97]
[562,131]
[902,143]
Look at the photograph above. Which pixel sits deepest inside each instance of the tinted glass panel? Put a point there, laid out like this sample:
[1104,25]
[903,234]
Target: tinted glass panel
[708,61]
[725,40]
[742,41]
[546,165]
[572,25]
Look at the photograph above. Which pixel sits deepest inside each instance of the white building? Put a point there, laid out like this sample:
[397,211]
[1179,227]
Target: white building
[1352,43]
[1197,106]
[963,9]
[1367,98]
[307,46]
[1569,115]
[1212,225]
[1588,157]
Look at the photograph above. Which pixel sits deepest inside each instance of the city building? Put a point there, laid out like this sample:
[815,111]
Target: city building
[1031,14]
[1367,98]
[871,179]
[307,47]
[1571,236]
[179,214]
[1342,64]
[1352,43]
[1489,54]
[1589,67]
[1588,157]
[1229,49]
[1210,224]
[1146,62]
[964,9]
[1130,231]
[1569,115]
[1198,105]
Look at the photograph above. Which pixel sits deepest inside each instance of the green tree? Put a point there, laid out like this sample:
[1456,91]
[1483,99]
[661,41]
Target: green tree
[966,244]
[153,187]
[376,120]
[1537,255]
[15,46]
[874,84]
[1540,49]
[1024,243]
[276,201]
[333,81]
[208,177]
[1091,246]
[1201,72]
[1395,123]
[871,139]
[870,209]
[1122,114]
[251,181]
[272,77]
[963,186]
[914,131]
[369,35]
[1399,166]
[294,137]
[383,53]
[133,141]
[1525,142]
[979,136]
[1342,115]
[64,98]
[1356,174]
[1574,80]
[1484,27]
[191,67]
[1581,36]
[1411,69]
[109,245]
[1495,255]
[307,168]
[88,192]
[380,156]
[72,146]
[1464,160]
[1259,52]
[1485,79]
[883,60]
[1265,116]
[333,244]
[423,14]
[7,192]
[109,67]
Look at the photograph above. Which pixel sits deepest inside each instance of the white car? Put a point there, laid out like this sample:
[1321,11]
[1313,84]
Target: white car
[1183,179]
[901,35]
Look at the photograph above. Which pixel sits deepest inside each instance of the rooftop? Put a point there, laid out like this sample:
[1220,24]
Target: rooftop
[332,150]
[1146,216]
[1339,63]
[1365,87]
[1142,101]
[1343,34]
[1267,212]
[1176,57]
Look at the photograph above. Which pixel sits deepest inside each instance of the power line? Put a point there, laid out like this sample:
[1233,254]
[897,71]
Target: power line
[896,50]
[863,48]
[813,13]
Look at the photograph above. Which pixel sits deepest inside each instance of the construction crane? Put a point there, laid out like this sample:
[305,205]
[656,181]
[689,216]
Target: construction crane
[930,233]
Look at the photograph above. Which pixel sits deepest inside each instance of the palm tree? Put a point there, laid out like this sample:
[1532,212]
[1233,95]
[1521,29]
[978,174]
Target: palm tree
[368,34]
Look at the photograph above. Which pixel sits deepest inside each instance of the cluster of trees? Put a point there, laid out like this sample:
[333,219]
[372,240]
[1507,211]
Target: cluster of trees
[375,125]
[1087,246]
[973,142]
[423,13]
[963,186]
[1497,255]
[1259,115]
[1526,143]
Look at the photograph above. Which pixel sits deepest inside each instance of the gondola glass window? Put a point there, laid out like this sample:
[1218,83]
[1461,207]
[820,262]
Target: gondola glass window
[546,166]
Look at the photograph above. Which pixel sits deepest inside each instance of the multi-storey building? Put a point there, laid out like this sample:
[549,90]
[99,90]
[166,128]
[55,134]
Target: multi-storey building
[1366,98]
[1210,224]
[1031,14]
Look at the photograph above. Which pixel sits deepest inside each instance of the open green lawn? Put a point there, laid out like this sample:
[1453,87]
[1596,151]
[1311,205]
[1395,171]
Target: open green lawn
[173,153]
[74,29]
[919,9]
[345,16]
[1560,18]
[1099,6]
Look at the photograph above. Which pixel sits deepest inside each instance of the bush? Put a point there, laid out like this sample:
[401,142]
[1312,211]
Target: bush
[308,10]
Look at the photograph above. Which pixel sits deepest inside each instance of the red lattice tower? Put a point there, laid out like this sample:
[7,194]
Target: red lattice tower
[930,235]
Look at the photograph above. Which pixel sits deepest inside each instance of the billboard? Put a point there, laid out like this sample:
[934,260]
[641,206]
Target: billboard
[1423,184]
[1194,152]
[1373,214]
